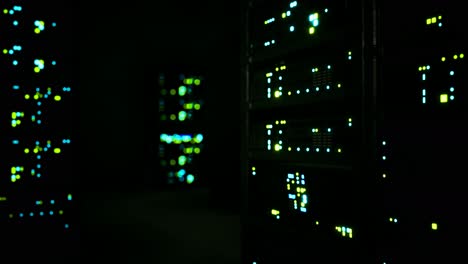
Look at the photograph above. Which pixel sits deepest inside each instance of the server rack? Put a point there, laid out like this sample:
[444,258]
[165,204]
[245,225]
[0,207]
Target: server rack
[38,181]
[309,131]
[175,109]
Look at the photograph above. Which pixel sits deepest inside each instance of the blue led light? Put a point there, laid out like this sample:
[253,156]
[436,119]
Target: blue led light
[67,226]
[39,103]
[11,52]
[54,24]
[52,202]
[41,213]
[38,166]
[54,63]
[51,212]
[38,157]
[15,62]
[31,214]
[11,12]
[15,142]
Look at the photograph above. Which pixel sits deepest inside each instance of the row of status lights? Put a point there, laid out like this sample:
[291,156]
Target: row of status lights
[179,139]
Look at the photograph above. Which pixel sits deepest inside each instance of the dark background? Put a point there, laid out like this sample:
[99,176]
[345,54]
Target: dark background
[125,216]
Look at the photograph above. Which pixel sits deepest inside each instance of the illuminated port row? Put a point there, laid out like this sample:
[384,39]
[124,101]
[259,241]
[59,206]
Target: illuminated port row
[277,145]
[39,24]
[39,151]
[181,160]
[39,64]
[312,18]
[181,91]
[321,81]
[279,93]
[181,138]
[182,176]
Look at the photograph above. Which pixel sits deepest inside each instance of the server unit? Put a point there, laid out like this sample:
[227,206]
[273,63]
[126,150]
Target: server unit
[38,213]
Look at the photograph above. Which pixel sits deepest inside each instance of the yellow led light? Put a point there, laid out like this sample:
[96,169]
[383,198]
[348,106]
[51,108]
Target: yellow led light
[253,168]
[434,20]
[434,226]
[443,59]
[37,69]
[462,56]
[277,94]
[57,150]
[283,15]
[57,98]
[440,17]
[277,147]
[339,150]
[289,148]
[5,11]
[428,21]
[455,56]
[289,187]
[311,30]
[26,150]
[444,98]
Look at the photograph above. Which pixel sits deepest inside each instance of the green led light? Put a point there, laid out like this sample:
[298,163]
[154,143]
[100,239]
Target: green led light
[188,81]
[197,82]
[190,179]
[182,90]
[173,117]
[197,106]
[173,92]
[182,115]
[182,160]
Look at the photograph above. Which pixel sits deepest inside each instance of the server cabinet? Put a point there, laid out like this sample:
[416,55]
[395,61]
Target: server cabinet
[309,132]
[38,181]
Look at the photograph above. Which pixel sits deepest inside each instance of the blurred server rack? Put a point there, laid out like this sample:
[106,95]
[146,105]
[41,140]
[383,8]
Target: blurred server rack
[175,117]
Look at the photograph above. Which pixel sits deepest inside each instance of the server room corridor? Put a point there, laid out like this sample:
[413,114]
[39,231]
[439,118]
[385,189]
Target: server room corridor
[166,227]
[124,217]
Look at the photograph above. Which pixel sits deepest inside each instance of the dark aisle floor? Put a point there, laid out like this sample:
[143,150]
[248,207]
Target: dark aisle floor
[167,227]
